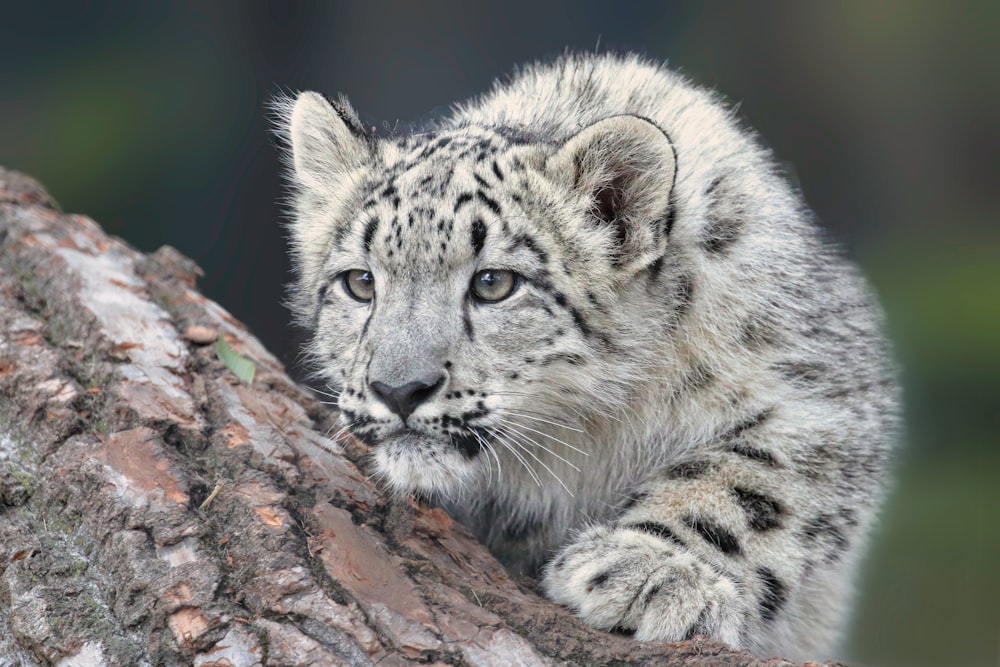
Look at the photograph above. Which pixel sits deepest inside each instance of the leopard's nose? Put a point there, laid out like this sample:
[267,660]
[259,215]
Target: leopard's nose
[404,399]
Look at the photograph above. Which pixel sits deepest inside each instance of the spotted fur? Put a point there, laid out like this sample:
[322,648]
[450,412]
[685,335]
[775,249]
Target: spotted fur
[681,415]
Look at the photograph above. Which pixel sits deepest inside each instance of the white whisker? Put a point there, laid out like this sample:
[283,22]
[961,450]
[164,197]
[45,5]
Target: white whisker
[510,428]
[542,433]
[540,462]
[510,448]
[547,421]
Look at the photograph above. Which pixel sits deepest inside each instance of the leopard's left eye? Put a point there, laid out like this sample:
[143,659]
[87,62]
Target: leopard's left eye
[491,285]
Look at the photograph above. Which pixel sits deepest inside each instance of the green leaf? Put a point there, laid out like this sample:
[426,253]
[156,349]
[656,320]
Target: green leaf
[242,367]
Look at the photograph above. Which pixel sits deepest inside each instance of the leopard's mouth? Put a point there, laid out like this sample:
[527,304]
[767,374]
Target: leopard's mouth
[467,441]
[410,460]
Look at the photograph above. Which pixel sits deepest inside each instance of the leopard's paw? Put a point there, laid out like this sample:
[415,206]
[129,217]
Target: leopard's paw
[634,579]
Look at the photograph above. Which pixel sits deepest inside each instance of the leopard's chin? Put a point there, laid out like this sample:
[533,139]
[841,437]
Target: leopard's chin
[411,462]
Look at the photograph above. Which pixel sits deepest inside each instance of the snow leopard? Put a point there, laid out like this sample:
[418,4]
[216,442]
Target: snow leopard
[588,314]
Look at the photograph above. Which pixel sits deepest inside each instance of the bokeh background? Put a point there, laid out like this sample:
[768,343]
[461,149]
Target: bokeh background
[150,117]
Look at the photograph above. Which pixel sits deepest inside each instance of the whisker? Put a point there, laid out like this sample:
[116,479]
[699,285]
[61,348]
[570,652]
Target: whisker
[542,463]
[509,447]
[542,433]
[343,429]
[547,421]
[513,430]
[333,393]
[489,448]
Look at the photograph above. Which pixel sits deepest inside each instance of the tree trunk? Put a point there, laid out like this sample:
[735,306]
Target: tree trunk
[157,510]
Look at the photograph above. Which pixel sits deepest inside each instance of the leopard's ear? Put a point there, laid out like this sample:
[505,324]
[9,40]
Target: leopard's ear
[623,169]
[327,140]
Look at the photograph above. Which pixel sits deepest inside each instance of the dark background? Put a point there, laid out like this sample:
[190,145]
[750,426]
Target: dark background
[151,119]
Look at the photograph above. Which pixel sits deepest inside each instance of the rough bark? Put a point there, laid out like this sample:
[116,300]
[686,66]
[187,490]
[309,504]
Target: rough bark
[154,509]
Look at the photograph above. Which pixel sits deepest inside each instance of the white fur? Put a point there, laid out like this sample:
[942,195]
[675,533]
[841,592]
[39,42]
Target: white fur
[732,342]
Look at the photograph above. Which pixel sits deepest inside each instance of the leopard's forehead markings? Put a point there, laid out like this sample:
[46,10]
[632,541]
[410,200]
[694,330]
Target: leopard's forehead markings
[435,203]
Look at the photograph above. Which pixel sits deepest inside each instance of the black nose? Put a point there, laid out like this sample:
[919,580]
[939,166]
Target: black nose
[403,400]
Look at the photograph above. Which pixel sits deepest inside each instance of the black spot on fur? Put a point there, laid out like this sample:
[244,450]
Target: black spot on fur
[530,244]
[496,171]
[478,233]
[655,268]
[467,443]
[656,530]
[567,357]
[720,234]
[763,512]
[482,181]
[773,596]
[490,203]
[480,411]
[370,228]
[358,421]
[579,321]
[828,532]
[688,470]
[598,580]
[716,535]
[653,591]
[462,200]
[696,379]
[338,236]
[754,454]
[748,424]
[467,325]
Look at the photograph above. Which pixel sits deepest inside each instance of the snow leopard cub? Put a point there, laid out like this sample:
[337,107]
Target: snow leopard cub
[588,314]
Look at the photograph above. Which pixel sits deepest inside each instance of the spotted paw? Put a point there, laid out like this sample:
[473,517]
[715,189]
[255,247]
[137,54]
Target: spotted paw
[634,579]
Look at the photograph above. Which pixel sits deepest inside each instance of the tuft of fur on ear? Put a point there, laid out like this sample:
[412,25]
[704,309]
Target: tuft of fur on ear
[327,152]
[327,140]
[624,169]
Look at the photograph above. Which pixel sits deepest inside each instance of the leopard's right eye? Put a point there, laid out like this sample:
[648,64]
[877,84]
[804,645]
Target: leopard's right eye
[494,285]
[359,284]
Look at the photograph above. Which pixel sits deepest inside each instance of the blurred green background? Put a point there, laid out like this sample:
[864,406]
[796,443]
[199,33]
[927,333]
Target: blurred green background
[150,118]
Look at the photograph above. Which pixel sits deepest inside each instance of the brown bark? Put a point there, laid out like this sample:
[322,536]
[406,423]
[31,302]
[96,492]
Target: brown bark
[118,424]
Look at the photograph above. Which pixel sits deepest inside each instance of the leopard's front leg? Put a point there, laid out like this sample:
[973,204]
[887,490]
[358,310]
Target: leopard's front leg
[748,542]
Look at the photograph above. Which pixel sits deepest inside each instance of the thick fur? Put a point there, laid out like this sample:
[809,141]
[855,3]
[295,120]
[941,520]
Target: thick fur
[682,415]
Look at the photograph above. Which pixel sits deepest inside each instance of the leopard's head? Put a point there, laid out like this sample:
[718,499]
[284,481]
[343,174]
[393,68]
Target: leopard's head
[469,290]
